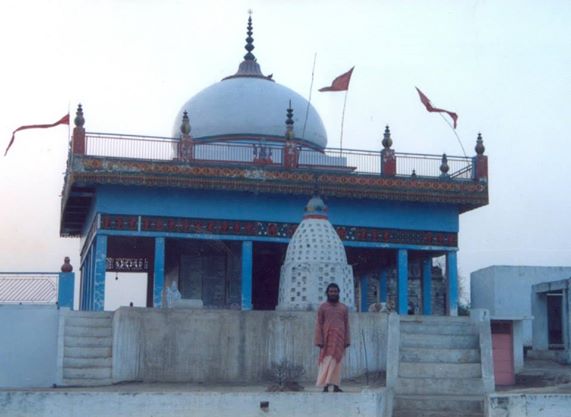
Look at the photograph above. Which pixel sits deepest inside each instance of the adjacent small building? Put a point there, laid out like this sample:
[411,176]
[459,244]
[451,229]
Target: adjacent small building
[506,291]
[528,310]
[551,307]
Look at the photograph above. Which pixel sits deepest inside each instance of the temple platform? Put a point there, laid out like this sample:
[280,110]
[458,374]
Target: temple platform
[197,400]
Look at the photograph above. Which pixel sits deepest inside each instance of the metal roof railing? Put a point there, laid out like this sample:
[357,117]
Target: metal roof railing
[351,160]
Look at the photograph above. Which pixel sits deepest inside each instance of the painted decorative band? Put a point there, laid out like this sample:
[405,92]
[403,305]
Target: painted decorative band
[273,229]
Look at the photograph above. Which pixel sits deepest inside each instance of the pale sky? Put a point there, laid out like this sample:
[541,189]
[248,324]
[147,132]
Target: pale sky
[503,66]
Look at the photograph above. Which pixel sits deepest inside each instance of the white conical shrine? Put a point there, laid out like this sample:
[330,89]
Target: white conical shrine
[315,258]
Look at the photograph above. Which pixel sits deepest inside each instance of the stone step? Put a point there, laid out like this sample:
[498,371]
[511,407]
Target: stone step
[440,370]
[83,321]
[454,328]
[88,341]
[88,331]
[442,403]
[96,314]
[440,386]
[435,319]
[87,373]
[80,382]
[439,341]
[105,362]
[427,413]
[87,352]
[414,354]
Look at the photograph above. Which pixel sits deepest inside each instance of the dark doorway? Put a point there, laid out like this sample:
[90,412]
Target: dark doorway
[268,260]
[554,320]
[208,270]
[132,255]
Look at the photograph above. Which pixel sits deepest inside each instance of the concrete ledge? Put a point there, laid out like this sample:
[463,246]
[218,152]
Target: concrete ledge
[528,405]
[561,356]
[212,346]
[183,404]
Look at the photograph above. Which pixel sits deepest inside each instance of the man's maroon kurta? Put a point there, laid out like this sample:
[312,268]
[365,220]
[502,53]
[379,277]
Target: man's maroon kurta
[332,330]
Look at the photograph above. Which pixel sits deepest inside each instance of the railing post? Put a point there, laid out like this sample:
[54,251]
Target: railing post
[291,155]
[291,151]
[388,157]
[185,145]
[444,167]
[480,161]
[66,285]
[78,138]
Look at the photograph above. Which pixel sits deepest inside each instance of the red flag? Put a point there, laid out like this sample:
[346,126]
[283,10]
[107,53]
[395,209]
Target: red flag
[340,83]
[63,121]
[429,107]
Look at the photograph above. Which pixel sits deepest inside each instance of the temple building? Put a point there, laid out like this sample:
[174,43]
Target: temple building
[214,206]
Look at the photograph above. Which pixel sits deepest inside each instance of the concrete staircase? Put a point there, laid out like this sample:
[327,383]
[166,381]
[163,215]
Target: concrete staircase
[440,371]
[87,348]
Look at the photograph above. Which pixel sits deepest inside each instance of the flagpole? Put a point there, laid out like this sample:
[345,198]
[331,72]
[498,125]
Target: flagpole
[310,91]
[342,122]
[455,134]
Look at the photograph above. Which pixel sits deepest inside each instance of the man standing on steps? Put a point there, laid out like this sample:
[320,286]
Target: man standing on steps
[332,338]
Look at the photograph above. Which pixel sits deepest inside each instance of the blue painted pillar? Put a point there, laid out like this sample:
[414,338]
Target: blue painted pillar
[452,290]
[364,291]
[99,275]
[90,278]
[66,285]
[86,280]
[402,282]
[383,291]
[83,286]
[159,272]
[427,286]
[247,263]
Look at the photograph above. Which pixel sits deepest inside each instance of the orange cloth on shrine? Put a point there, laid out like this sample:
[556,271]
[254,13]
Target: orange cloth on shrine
[332,333]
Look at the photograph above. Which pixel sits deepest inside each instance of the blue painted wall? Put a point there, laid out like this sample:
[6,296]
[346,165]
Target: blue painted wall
[270,207]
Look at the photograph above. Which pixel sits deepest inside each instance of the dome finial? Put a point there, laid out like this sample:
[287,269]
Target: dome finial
[249,40]
[249,67]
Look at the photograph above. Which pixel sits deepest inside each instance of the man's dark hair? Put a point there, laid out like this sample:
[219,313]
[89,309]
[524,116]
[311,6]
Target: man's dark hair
[332,285]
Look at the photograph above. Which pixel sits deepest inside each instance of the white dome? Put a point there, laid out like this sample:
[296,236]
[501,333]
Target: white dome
[250,106]
[314,259]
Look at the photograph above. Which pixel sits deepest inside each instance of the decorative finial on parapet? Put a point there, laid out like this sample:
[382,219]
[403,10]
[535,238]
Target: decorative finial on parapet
[79,121]
[289,123]
[249,40]
[387,141]
[185,125]
[66,267]
[480,148]
[444,168]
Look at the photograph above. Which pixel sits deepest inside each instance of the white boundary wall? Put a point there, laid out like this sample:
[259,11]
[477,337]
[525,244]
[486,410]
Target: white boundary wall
[171,345]
[28,345]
